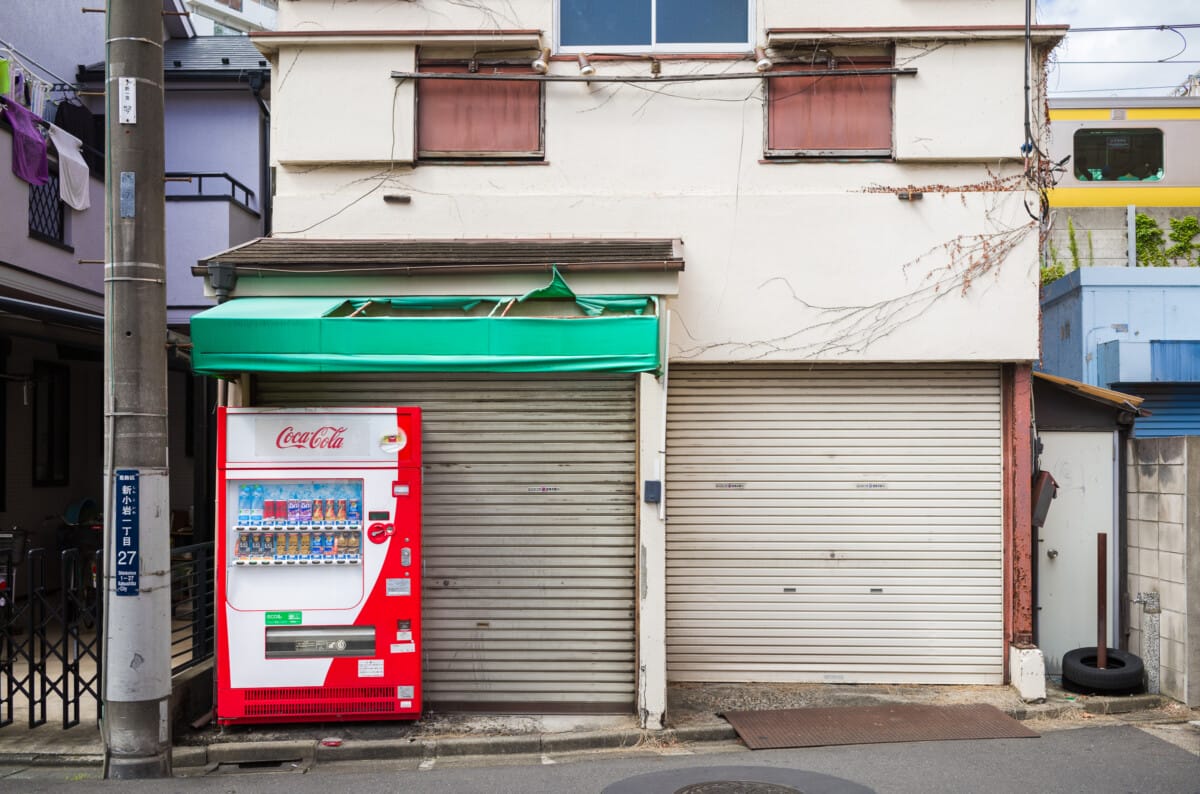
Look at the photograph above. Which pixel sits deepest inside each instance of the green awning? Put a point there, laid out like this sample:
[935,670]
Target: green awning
[547,330]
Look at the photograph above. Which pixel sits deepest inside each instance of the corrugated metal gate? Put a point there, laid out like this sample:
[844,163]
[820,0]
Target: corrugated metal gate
[1174,409]
[834,523]
[529,531]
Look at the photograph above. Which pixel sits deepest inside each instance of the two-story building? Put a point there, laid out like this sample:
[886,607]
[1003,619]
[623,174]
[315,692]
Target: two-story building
[720,315]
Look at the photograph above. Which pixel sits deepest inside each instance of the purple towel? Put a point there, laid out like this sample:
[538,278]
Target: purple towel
[29,160]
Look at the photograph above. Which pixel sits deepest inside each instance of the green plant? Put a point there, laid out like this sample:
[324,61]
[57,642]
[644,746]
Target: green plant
[1183,231]
[1072,243]
[1149,242]
[1053,272]
[1091,250]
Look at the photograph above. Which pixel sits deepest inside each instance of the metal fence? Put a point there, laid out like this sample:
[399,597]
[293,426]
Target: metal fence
[193,578]
[49,640]
[50,636]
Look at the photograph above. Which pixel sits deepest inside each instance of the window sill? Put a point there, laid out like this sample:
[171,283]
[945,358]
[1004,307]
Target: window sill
[41,238]
[826,157]
[476,161]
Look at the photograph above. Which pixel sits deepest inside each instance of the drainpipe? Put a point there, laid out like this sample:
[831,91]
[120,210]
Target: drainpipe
[222,276]
[1150,638]
[257,81]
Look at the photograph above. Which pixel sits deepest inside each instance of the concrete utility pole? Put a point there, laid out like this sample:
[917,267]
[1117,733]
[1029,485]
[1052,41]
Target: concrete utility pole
[137,565]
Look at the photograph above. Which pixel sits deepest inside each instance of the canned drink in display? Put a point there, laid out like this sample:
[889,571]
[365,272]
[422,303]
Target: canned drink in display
[293,511]
[353,515]
[341,511]
[269,511]
[331,511]
[305,511]
[305,545]
[318,511]
[330,549]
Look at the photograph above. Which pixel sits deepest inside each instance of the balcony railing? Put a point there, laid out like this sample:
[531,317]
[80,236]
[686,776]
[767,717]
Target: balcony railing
[209,186]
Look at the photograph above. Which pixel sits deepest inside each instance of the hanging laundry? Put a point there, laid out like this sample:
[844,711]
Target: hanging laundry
[29,158]
[77,120]
[74,178]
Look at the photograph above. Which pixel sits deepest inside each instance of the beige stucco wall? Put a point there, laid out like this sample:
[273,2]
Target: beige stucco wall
[516,14]
[813,260]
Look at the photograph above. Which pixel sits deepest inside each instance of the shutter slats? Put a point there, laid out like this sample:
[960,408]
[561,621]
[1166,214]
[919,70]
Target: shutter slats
[834,523]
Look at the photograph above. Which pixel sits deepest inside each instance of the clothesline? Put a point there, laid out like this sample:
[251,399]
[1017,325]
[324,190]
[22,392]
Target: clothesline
[30,154]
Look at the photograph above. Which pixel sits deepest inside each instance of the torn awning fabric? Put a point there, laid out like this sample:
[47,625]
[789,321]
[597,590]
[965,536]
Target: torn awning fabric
[546,330]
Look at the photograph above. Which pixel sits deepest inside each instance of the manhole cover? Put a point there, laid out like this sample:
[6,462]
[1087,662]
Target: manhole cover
[737,787]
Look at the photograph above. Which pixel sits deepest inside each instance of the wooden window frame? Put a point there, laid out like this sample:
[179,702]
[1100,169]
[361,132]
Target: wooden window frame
[431,85]
[774,84]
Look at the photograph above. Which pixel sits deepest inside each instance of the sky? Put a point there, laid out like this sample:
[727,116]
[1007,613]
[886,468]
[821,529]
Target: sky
[1070,79]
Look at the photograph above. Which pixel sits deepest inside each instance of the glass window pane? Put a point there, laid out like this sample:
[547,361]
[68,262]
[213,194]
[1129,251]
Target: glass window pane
[702,21]
[598,23]
[1126,155]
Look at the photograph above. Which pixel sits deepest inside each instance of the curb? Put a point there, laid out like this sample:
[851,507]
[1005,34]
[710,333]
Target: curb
[311,751]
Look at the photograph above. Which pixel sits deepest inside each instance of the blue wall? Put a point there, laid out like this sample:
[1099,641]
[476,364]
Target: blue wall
[1131,306]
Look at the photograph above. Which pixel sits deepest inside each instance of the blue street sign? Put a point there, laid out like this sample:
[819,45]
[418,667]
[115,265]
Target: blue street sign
[126,512]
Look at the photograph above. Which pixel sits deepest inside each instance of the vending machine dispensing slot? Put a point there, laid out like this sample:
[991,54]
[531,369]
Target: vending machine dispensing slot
[318,642]
[319,546]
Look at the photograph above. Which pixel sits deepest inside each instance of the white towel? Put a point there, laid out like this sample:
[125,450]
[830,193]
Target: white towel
[74,178]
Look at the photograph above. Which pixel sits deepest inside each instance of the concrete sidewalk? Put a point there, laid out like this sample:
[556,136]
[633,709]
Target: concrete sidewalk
[693,718]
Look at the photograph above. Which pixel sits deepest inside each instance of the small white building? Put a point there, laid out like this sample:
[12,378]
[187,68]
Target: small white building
[823,227]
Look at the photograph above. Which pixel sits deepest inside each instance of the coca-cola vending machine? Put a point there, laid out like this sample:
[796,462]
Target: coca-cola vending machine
[318,564]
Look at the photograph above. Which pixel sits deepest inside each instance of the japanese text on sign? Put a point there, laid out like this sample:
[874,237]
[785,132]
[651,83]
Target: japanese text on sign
[128,580]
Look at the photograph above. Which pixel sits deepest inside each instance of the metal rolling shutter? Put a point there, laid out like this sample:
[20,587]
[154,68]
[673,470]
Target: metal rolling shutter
[529,531]
[1174,409]
[834,523]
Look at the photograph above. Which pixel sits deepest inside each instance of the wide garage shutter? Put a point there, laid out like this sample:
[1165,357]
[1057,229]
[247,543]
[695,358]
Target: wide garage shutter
[834,523]
[529,531]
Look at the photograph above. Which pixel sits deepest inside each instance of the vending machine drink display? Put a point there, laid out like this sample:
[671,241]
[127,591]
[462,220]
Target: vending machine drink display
[319,564]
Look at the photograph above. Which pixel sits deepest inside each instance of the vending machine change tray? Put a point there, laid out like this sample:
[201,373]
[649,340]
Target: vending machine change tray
[314,642]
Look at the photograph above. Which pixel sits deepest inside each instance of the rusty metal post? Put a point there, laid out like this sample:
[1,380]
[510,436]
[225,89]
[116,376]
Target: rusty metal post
[1101,600]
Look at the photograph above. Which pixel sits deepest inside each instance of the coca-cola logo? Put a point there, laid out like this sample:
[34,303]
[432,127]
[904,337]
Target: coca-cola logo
[326,437]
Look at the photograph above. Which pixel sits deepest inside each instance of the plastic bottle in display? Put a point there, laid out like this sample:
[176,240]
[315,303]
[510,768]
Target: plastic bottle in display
[256,505]
[245,496]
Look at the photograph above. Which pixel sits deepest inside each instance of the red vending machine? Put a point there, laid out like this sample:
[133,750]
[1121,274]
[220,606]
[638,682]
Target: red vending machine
[318,564]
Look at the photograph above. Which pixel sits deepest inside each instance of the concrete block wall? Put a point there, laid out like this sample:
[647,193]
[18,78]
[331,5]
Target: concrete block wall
[1108,227]
[1163,553]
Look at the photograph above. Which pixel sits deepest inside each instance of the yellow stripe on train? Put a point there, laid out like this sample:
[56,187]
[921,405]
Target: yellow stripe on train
[1121,195]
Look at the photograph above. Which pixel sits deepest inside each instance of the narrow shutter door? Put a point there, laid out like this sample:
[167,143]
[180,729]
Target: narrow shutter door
[529,531]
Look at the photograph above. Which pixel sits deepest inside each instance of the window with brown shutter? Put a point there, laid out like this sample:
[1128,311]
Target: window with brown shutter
[481,118]
[830,115]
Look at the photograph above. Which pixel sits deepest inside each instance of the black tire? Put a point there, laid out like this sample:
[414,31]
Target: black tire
[1123,674]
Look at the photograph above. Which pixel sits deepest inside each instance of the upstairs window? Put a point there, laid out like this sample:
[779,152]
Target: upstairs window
[1123,155]
[655,25]
[479,119]
[47,218]
[830,115]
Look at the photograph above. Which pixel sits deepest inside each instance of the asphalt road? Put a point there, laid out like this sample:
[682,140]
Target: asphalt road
[1097,760]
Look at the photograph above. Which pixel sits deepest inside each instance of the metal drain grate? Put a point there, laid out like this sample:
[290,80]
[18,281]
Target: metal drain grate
[737,787]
